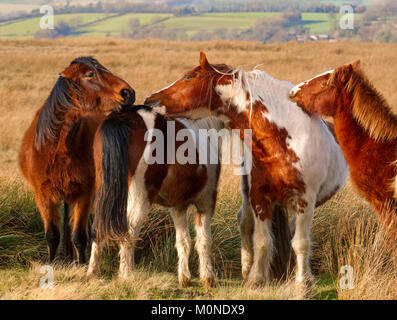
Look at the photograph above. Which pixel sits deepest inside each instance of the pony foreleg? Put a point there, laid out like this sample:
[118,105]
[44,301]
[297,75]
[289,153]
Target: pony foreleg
[203,247]
[67,234]
[301,243]
[81,209]
[245,218]
[182,244]
[50,214]
[95,260]
[263,253]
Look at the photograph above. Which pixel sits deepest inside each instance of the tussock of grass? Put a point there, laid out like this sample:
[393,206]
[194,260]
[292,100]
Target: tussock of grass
[21,230]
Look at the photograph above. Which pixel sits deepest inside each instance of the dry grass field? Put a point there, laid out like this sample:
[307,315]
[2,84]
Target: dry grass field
[345,230]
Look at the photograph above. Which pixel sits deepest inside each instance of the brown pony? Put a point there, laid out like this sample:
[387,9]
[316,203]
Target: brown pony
[56,152]
[365,127]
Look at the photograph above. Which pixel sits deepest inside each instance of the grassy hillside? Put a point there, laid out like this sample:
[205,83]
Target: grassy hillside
[345,229]
[100,25]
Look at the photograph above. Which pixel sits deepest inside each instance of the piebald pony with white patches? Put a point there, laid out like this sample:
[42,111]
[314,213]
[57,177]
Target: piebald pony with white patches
[297,163]
[127,186]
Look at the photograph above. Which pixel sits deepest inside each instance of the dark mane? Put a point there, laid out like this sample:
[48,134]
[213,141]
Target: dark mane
[59,102]
[90,62]
[51,115]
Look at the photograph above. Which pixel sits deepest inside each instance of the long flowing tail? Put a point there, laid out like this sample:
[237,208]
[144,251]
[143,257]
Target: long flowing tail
[112,197]
[284,258]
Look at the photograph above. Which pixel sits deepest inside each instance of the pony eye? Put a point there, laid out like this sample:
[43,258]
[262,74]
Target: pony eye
[187,77]
[90,74]
[323,84]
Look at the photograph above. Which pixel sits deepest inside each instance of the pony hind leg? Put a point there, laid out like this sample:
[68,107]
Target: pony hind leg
[204,247]
[259,274]
[50,214]
[137,213]
[301,243]
[245,218]
[183,245]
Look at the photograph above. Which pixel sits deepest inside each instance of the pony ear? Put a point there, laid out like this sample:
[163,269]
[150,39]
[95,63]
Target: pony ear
[204,64]
[345,73]
[356,65]
[71,71]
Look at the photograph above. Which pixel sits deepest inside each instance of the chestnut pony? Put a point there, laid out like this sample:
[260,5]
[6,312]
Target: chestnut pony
[56,153]
[289,169]
[365,127]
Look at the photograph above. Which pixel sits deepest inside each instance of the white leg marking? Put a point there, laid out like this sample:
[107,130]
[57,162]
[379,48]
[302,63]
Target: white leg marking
[204,247]
[263,253]
[301,243]
[183,245]
[245,217]
[126,254]
[95,260]
[138,204]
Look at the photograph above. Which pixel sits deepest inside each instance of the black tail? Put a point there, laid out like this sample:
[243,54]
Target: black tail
[111,203]
[284,258]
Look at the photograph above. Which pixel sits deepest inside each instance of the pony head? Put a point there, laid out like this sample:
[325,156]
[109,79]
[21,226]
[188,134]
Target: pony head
[94,88]
[194,94]
[319,94]
[84,86]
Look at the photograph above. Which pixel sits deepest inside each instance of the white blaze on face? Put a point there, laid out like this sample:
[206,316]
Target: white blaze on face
[297,88]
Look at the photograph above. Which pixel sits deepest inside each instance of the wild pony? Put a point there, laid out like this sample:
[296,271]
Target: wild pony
[131,175]
[56,153]
[365,127]
[128,183]
[297,163]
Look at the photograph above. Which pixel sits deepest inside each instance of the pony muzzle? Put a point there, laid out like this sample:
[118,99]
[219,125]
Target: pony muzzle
[152,104]
[128,96]
[293,92]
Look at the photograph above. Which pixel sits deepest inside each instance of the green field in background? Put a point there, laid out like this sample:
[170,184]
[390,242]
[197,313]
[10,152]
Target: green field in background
[28,27]
[101,25]
[116,25]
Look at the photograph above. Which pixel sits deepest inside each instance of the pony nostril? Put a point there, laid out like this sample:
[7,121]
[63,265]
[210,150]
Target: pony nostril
[128,95]
[125,94]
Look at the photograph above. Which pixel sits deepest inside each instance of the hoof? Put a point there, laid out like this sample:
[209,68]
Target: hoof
[124,275]
[305,287]
[184,282]
[245,274]
[255,282]
[209,282]
[93,274]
